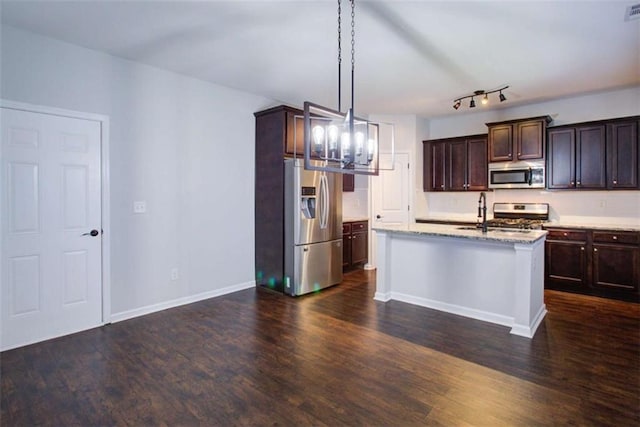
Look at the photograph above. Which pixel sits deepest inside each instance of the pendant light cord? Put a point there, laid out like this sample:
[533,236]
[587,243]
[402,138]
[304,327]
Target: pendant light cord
[353,50]
[339,53]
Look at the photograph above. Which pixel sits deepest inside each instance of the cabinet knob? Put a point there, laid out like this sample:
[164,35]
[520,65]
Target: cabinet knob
[615,237]
[595,249]
[582,248]
[578,182]
[442,186]
[354,237]
[573,183]
[615,182]
[564,234]
[519,154]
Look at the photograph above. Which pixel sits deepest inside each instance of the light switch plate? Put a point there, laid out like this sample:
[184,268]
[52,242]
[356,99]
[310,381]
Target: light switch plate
[139,207]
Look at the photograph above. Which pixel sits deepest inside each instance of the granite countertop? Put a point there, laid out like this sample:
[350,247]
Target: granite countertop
[613,227]
[502,235]
[555,223]
[354,219]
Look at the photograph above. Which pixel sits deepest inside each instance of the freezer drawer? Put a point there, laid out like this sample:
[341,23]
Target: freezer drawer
[313,267]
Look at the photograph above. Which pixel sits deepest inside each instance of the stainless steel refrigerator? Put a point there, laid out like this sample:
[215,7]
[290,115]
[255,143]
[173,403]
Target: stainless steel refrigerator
[312,229]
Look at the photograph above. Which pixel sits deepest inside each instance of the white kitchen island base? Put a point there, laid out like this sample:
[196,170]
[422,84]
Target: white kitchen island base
[497,277]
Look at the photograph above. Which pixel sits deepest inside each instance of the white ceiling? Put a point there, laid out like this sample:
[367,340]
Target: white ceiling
[412,57]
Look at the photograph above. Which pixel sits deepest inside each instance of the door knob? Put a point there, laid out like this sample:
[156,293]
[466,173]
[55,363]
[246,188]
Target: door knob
[92,233]
[378,216]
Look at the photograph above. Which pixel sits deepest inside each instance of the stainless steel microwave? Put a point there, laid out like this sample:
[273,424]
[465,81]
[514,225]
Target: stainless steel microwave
[516,175]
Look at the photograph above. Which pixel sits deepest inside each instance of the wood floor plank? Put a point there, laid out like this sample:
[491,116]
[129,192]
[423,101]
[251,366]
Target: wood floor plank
[333,358]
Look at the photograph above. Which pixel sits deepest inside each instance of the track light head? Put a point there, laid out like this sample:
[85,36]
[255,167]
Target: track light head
[472,104]
[485,99]
[502,97]
[456,105]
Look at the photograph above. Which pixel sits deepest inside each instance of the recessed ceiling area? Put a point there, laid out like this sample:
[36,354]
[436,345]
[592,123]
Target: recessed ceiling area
[411,57]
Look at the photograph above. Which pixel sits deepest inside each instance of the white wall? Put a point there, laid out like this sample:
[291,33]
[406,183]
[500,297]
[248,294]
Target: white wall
[600,207]
[184,146]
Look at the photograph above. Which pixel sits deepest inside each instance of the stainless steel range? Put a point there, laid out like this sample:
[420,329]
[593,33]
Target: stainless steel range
[529,216]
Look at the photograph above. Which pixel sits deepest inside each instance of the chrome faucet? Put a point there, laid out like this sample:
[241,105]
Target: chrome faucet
[482,211]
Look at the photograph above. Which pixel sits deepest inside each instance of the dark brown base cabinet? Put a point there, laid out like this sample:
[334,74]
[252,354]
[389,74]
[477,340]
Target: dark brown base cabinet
[355,244]
[595,262]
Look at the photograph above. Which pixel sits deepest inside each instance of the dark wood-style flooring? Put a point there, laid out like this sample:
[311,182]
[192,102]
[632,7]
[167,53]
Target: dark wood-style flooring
[333,358]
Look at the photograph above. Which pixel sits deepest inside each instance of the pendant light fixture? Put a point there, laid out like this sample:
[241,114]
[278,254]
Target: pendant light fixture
[344,142]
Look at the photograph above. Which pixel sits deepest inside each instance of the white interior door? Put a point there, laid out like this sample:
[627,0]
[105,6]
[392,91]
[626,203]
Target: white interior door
[51,202]
[391,190]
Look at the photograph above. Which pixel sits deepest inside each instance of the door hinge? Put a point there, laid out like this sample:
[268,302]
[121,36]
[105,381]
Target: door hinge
[408,207]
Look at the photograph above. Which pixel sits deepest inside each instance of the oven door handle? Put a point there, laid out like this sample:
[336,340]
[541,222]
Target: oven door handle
[530,179]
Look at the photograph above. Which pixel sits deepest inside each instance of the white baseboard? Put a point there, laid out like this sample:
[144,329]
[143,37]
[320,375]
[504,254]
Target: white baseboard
[454,309]
[530,330]
[381,296]
[130,314]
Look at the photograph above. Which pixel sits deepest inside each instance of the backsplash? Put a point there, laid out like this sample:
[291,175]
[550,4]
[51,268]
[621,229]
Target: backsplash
[354,204]
[582,207]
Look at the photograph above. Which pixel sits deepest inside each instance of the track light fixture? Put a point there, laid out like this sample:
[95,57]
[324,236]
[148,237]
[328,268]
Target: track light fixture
[485,97]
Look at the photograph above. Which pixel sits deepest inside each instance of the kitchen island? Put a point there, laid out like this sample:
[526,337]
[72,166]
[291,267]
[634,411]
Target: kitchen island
[496,276]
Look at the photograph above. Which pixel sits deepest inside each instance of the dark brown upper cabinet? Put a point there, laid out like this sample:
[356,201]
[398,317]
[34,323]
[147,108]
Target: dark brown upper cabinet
[455,164]
[576,157]
[522,139]
[594,155]
[623,155]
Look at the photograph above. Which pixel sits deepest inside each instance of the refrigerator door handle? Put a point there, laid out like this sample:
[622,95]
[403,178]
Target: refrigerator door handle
[322,201]
[327,199]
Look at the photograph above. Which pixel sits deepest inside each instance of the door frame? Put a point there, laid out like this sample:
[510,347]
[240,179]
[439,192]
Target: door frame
[105,196]
[373,243]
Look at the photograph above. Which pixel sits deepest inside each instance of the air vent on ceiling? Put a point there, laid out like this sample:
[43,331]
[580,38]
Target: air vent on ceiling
[632,12]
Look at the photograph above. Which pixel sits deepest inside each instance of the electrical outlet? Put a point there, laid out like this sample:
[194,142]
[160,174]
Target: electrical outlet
[174,274]
[139,206]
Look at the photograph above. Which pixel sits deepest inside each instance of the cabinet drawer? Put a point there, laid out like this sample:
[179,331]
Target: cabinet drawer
[359,226]
[628,237]
[346,228]
[565,234]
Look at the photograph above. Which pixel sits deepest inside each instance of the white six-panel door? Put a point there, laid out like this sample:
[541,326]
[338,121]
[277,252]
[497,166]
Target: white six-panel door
[51,202]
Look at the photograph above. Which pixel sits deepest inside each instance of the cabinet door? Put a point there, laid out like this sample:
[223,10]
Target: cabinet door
[616,268]
[622,155]
[477,173]
[566,265]
[359,246]
[590,157]
[530,140]
[501,143]
[457,165]
[346,251]
[561,158]
[436,162]
[348,182]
